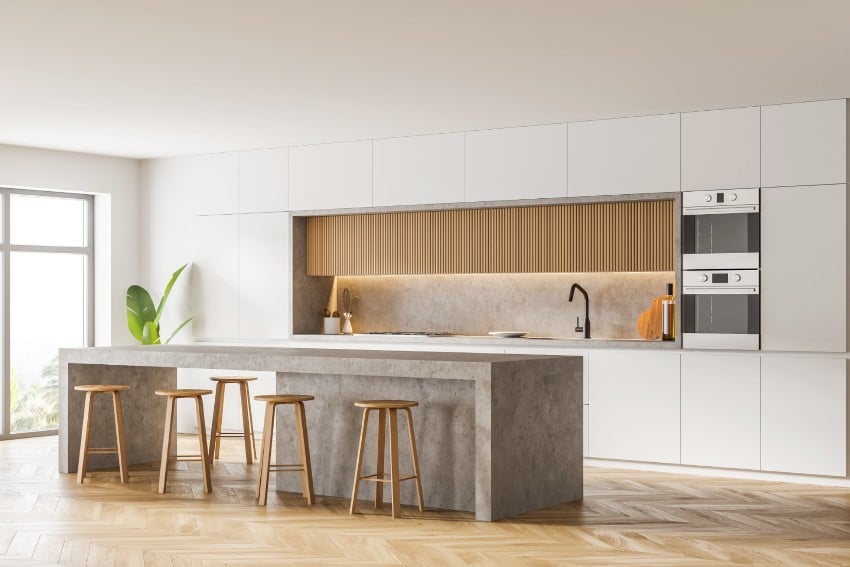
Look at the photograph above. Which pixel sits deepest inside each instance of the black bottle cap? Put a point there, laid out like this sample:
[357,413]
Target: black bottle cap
[669,289]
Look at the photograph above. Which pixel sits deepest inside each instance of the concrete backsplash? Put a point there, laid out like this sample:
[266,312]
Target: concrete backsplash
[473,304]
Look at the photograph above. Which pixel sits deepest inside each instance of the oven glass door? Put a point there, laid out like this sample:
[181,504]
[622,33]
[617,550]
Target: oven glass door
[722,319]
[718,241]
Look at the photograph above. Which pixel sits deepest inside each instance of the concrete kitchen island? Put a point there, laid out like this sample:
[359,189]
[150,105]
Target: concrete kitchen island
[496,434]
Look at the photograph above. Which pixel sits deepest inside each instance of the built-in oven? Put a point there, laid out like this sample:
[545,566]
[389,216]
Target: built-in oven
[720,309]
[720,229]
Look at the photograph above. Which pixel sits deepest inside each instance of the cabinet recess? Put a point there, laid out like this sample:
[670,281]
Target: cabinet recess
[632,236]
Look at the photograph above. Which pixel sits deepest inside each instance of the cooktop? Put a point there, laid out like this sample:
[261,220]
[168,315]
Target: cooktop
[413,333]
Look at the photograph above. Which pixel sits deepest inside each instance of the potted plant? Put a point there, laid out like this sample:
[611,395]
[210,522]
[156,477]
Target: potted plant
[143,318]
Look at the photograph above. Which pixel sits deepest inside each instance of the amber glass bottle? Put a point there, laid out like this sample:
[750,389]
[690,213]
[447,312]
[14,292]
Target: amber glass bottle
[668,315]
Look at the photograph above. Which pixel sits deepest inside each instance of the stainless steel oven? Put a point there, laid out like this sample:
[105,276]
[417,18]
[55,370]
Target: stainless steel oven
[720,229]
[720,309]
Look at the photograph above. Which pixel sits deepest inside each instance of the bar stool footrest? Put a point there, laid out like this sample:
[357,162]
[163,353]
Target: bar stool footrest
[102,450]
[230,434]
[285,468]
[380,477]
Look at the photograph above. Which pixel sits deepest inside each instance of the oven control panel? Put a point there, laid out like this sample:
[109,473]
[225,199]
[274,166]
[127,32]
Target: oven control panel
[712,278]
[738,198]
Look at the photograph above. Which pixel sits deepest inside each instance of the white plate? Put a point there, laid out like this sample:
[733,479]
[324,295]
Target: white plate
[507,334]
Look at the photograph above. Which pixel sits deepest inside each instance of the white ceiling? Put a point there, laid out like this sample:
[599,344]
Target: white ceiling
[146,78]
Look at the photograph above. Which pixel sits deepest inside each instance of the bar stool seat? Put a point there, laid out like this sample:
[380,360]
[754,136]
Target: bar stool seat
[247,418]
[384,407]
[303,466]
[120,446]
[173,395]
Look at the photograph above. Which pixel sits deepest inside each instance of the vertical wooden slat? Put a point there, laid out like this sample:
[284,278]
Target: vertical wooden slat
[590,237]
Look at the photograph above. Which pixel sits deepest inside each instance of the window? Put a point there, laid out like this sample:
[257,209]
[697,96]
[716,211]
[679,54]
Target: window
[47,254]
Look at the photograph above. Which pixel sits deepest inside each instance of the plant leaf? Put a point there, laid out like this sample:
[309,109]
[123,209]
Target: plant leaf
[177,330]
[150,334]
[167,291]
[140,310]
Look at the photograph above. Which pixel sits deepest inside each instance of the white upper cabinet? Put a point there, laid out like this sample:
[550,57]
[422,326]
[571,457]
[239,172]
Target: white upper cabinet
[213,180]
[264,180]
[804,415]
[625,155]
[330,176]
[634,406]
[804,268]
[215,282]
[720,149]
[418,170]
[264,275]
[804,143]
[721,397]
[516,163]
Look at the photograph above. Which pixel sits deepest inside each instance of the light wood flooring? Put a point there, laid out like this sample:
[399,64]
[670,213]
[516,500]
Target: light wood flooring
[627,518]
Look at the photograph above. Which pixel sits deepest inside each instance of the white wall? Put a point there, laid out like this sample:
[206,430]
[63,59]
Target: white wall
[115,184]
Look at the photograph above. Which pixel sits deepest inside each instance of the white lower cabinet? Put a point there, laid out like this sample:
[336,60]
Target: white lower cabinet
[634,406]
[804,415]
[720,410]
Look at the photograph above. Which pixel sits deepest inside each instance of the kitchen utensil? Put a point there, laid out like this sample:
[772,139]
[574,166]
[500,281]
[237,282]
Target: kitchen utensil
[507,334]
[346,301]
[326,312]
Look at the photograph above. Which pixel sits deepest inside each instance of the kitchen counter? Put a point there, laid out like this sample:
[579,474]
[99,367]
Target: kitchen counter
[497,434]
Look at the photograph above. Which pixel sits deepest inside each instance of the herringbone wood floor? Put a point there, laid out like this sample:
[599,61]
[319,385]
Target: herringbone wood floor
[627,518]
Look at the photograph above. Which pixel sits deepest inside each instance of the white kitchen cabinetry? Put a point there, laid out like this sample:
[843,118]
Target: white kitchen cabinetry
[419,170]
[625,155]
[804,143]
[634,406]
[330,176]
[215,282]
[264,180]
[721,397]
[804,269]
[264,276]
[213,182]
[516,163]
[804,417]
[721,149]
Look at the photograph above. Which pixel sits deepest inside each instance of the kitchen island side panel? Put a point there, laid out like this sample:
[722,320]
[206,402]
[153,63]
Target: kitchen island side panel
[536,435]
[444,424]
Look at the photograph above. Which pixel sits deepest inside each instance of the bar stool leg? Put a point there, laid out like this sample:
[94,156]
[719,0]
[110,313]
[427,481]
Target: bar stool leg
[251,419]
[119,436]
[202,441]
[359,460]
[379,456]
[166,444]
[396,485]
[414,457]
[265,463]
[84,440]
[246,423]
[215,428]
[304,449]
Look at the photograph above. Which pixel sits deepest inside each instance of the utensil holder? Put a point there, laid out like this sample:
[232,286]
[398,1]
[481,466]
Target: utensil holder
[330,325]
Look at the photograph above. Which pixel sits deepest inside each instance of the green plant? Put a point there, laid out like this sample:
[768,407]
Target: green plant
[143,317]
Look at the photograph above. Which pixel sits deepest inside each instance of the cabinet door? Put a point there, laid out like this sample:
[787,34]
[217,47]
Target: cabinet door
[264,180]
[264,276]
[804,415]
[804,269]
[721,149]
[516,163]
[419,170]
[215,284]
[634,406]
[330,176]
[626,155]
[213,181]
[804,143]
[721,397]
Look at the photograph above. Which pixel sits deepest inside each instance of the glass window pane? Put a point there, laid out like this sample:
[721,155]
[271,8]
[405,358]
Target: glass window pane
[48,311]
[47,221]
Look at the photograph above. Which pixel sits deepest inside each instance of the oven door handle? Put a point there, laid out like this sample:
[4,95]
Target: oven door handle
[720,210]
[752,290]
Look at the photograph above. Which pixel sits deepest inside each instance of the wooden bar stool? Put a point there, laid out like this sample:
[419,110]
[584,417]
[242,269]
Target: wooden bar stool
[303,465]
[384,406]
[204,457]
[247,418]
[85,450]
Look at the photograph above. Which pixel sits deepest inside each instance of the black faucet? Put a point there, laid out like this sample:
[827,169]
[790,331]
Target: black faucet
[586,310]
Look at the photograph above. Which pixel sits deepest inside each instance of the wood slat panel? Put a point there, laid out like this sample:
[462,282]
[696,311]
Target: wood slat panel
[634,236]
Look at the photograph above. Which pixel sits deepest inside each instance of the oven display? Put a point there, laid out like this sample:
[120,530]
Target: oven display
[720,278]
